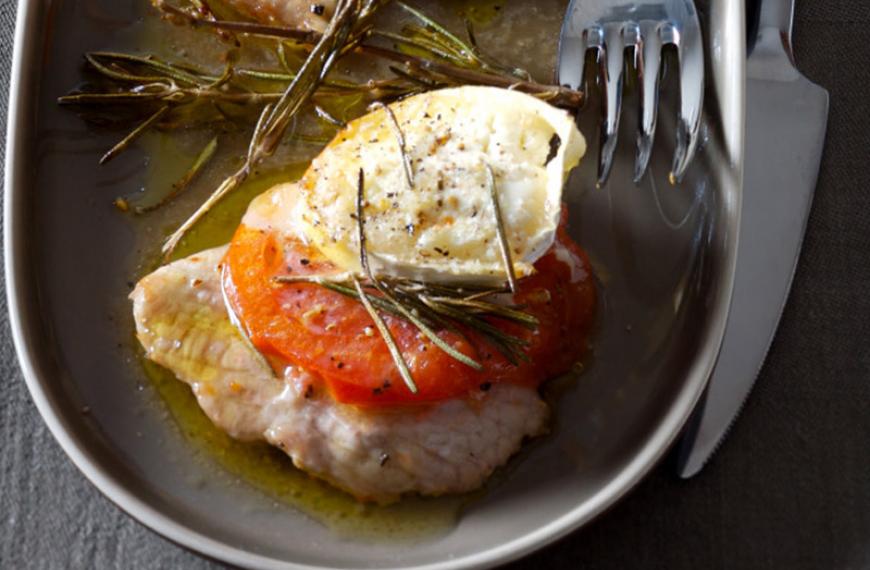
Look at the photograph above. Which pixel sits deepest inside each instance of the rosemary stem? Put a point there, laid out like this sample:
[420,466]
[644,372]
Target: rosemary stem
[400,141]
[227,186]
[503,244]
[388,338]
[134,134]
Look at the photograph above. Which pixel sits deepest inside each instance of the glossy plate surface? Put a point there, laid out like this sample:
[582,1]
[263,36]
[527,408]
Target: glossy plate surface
[665,257]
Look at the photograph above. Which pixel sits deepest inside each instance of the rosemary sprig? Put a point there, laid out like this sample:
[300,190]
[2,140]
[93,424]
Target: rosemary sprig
[443,75]
[438,307]
[510,346]
[345,287]
[276,118]
[475,306]
[469,54]
[172,94]
[123,67]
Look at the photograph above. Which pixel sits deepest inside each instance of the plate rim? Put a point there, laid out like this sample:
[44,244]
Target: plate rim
[20,107]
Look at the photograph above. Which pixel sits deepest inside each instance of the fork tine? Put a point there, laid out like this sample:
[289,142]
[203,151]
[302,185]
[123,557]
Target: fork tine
[691,58]
[572,56]
[649,62]
[611,59]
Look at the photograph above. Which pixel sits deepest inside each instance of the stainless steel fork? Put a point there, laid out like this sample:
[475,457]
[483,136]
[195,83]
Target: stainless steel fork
[643,28]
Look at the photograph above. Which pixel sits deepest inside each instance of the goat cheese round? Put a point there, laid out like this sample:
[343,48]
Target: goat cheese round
[429,165]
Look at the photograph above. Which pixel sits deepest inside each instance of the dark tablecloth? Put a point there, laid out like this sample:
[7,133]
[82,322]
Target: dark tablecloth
[789,489]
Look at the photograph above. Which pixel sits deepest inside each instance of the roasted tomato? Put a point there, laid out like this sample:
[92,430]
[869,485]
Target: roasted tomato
[333,336]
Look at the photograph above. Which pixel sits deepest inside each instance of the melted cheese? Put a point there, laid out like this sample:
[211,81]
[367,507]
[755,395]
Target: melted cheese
[442,226]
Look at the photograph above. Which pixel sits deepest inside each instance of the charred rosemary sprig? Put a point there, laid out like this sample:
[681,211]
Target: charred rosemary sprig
[429,307]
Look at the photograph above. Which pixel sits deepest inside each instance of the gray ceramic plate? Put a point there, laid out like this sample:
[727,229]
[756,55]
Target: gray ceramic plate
[665,258]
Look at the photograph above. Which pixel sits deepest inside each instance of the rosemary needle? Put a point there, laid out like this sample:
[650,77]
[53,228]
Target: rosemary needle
[237,323]
[400,140]
[388,337]
[134,134]
[503,244]
[325,115]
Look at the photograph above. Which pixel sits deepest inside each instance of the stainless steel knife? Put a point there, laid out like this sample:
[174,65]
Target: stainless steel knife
[786,119]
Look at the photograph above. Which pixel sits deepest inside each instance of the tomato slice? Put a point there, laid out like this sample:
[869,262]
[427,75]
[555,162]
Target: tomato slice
[333,336]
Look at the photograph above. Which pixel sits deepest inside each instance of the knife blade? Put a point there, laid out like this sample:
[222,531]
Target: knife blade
[786,120]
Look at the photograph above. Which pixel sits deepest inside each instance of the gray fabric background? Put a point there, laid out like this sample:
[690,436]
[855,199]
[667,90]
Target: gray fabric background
[790,489]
